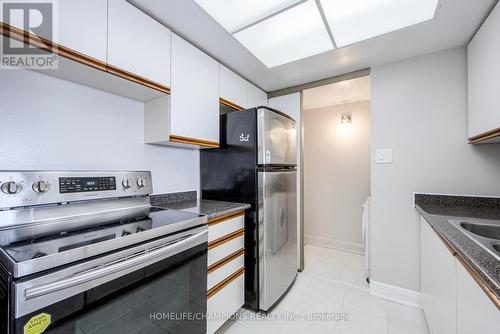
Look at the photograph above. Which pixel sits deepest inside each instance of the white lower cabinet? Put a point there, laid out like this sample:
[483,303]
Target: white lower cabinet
[476,313]
[224,303]
[225,227]
[453,301]
[438,282]
[220,252]
[226,269]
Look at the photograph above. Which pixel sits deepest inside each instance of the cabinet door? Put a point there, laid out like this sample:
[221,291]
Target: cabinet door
[137,43]
[476,313]
[426,270]
[484,76]
[83,26]
[195,93]
[438,279]
[78,25]
[233,87]
[256,96]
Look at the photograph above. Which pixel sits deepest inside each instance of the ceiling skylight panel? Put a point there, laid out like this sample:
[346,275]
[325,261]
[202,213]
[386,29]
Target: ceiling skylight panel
[291,35]
[352,21]
[237,14]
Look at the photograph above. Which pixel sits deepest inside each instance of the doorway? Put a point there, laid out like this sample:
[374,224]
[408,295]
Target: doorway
[336,163]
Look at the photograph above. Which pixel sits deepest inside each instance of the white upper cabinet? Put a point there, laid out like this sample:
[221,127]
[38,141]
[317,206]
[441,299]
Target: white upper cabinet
[256,96]
[484,76]
[195,93]
[137,43]
[233,87]
[78,25]
[83,26]
[476,313]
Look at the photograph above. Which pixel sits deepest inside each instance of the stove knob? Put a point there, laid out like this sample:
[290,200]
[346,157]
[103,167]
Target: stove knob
[126,183]
[141,182]
[41,186]
[11,188]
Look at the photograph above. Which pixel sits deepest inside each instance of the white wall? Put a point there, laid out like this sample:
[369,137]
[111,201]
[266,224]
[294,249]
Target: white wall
[291,105]
[49,123]
[336,175]
[419,109]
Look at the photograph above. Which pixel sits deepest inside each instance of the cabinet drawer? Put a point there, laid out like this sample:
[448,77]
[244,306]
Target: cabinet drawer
[219,228]
[219,250]
[223,270]
[226,301]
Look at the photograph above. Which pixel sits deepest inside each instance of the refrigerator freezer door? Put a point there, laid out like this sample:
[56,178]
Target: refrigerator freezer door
[277,138]
[277,195]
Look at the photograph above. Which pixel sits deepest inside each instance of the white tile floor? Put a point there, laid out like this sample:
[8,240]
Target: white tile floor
[332,282]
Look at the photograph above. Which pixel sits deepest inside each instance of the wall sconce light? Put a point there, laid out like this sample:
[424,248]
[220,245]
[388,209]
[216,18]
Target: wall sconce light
[346,119]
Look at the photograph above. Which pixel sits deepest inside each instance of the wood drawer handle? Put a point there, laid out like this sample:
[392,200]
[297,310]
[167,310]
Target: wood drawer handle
[226,260]
[225,282]
[226,238]
[225,217]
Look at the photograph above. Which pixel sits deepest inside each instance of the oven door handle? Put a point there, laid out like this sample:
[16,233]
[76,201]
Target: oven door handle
[139,261]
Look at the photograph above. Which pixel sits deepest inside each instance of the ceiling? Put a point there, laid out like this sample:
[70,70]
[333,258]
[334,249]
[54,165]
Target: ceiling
[454,26]
[348,91]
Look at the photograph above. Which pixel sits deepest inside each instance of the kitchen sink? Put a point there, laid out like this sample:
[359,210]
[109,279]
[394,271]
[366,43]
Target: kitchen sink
[485,233]
[483,230]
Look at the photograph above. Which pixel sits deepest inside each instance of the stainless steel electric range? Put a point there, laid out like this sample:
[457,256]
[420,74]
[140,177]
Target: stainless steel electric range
[85,252]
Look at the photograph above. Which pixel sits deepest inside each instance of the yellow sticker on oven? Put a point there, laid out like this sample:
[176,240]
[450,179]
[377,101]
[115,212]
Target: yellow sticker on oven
[38,324]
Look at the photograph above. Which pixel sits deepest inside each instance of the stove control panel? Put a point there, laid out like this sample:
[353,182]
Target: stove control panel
[26,188]
[85,184]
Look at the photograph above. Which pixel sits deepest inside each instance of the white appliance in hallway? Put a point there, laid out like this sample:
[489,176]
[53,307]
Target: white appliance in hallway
[366,237]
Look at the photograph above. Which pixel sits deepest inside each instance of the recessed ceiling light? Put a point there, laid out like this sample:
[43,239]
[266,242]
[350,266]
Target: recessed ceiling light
[237,14]
[291,35]
[357,20]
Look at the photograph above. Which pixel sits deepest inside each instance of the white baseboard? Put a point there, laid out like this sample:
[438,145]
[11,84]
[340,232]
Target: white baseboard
[335,244]
[396,294]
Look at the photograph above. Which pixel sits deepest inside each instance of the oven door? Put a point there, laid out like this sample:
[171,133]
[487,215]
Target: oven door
[157,287]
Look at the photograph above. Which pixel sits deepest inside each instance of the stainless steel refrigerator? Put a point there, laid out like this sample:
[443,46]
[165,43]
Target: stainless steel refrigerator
[257,164]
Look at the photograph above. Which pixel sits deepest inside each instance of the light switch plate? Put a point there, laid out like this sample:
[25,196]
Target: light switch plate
[383,156]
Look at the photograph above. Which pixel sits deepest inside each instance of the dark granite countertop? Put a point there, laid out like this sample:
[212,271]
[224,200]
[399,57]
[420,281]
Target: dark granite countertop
[438,210]
[188,202]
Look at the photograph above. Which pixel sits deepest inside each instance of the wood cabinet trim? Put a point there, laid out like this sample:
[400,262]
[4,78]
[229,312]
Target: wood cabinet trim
[479,281]
[224,218]
[194,141]
[137,79]
[226,260]
[230,104]
[62,51]
[225,282]
[485,136]
[226,238]
[470,270]
[49,46]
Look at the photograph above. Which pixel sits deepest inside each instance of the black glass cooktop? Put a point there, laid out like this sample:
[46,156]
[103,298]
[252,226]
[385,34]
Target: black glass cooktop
[68,240]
